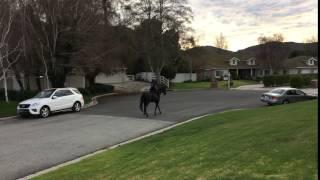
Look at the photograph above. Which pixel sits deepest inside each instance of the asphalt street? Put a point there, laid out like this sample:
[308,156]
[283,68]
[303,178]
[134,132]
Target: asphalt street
[179,105]
[33,144]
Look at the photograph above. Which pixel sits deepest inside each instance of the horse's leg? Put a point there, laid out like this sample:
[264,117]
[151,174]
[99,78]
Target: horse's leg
[145,109]
[158,108]
[155,109]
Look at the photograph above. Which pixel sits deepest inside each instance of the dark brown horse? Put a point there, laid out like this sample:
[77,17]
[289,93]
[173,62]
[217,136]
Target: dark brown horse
[148,97]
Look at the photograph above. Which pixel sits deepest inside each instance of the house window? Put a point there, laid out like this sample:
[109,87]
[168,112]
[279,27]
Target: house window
[311,62]
[233,62]
[219,73]
[267,72]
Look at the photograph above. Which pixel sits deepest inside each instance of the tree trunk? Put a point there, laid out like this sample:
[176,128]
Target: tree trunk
[18,78]
[27,77]
[90,79]
[158,76]
[5,87]
[38,82]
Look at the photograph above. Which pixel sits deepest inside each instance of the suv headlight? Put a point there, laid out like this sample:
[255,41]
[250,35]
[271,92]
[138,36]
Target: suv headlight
[35,104]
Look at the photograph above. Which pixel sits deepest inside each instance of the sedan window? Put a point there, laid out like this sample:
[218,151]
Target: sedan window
[277,91]
[292,92]
[300,93]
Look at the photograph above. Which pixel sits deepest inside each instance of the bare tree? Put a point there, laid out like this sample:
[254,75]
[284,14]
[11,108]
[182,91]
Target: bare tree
[162,22]
[8,55]
[312,39]
[276,37]
[272,52]
[221,42]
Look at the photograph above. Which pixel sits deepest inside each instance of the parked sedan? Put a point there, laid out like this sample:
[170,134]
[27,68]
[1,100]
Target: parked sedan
[51,100]
[284,96]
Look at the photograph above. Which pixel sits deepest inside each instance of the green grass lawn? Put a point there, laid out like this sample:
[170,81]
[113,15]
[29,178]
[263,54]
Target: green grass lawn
[8,109]
[277,142]
[236,83]
[205,85]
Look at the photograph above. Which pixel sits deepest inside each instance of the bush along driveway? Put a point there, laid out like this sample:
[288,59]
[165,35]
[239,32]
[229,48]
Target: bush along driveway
[8,109]
[277,142]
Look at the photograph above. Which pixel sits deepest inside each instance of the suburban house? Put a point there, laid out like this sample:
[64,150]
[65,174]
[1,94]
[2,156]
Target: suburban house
[243,69]
[251,68]
[301,65]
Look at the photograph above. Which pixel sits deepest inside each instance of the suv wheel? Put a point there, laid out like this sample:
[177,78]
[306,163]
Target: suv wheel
[44,112]
[76,107]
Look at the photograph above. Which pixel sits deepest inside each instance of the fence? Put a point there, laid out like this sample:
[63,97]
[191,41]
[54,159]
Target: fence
[149,76]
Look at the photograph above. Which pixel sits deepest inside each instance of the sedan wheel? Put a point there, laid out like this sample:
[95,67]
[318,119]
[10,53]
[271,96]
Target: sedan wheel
[44,112]
[285,102]
[76,107]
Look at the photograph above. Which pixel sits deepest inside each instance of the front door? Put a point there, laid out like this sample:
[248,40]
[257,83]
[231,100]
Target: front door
[57,101]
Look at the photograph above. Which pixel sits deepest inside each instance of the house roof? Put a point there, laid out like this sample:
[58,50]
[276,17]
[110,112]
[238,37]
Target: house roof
[225,64]
[300,61]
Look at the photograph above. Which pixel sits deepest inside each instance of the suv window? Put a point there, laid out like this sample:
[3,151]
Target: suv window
[67,92]
[62,93]
[77,91]
[59,93]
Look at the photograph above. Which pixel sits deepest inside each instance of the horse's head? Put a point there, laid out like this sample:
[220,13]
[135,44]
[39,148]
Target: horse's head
[163,89]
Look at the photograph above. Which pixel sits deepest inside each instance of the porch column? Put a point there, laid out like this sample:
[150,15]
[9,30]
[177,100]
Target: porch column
[237,73]
[251,72]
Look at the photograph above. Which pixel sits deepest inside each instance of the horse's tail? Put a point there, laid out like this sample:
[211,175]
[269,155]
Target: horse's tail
[141,102]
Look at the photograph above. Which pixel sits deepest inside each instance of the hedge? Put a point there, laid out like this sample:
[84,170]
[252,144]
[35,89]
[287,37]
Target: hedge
[97,89]
[17,95]
[292,80]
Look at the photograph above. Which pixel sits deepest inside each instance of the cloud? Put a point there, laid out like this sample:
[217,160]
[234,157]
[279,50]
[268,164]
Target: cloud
[242,21]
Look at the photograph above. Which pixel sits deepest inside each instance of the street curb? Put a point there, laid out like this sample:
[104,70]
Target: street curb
[6,118]
[118,145]
[93,102]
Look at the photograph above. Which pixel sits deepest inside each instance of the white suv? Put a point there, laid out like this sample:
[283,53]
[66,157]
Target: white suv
[51,100]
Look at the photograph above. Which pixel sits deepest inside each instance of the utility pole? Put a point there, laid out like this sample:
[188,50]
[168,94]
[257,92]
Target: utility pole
[229,75]
[190,69]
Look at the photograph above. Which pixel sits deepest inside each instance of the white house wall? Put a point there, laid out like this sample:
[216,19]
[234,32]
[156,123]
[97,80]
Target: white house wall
[181,77]
[293,71]
[75,81]
[102,78]
[305,71]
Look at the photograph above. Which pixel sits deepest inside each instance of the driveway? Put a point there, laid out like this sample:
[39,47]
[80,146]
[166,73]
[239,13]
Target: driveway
[30,145]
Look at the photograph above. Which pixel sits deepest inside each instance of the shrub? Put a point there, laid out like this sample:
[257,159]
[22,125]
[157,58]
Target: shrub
[281,80]
[84,91]
[268,81]
[17,95]
[100,88]
[188,81]
[306,80]
[296,82]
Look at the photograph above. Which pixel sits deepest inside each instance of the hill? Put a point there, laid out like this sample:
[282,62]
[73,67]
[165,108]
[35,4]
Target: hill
[205,55]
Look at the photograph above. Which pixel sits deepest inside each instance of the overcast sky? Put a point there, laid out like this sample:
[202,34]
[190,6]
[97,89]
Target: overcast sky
[242,21]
